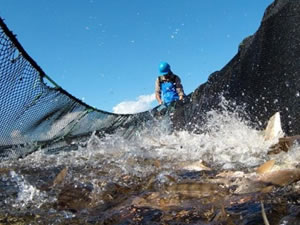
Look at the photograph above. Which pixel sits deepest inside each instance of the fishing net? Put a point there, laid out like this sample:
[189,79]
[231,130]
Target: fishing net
[35,112]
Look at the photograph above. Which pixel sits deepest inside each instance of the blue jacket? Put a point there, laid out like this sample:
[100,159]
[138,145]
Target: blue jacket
[169,88]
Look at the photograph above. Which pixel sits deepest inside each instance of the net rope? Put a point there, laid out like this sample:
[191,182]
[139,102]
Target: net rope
[32,112]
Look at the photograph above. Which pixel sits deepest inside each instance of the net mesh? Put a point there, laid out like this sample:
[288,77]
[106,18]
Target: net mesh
[35,113]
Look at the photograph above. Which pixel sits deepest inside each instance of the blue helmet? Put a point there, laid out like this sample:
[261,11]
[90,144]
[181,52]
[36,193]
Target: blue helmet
[164,68]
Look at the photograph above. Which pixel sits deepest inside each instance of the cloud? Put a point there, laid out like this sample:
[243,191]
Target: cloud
[142,103]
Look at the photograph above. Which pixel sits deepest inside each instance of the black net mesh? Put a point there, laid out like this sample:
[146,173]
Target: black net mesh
[32,112]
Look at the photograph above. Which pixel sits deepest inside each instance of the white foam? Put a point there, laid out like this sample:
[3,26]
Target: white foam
[27,194]
[229,143]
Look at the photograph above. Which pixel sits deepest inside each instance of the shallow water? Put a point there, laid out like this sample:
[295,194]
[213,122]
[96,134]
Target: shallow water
[113,180]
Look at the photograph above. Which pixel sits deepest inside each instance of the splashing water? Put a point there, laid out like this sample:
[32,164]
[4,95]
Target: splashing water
[230,143]
[27,194]
[101,165]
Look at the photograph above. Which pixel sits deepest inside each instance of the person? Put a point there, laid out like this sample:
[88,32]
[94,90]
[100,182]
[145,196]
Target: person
[168,86]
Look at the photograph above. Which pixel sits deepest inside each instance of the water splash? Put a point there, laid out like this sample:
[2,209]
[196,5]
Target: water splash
[228,143]
[106,165]
[27,194]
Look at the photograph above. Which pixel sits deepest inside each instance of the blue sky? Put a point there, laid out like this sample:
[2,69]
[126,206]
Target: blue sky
[107,52]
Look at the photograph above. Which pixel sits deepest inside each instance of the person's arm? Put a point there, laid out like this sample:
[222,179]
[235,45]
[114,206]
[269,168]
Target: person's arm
[158,92]
[179,88]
